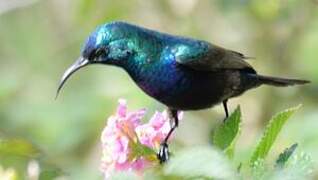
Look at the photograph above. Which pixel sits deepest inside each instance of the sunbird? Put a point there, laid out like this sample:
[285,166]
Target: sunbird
[180,72]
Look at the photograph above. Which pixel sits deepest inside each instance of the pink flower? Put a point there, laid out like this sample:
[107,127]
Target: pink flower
[154,132]
[129,145]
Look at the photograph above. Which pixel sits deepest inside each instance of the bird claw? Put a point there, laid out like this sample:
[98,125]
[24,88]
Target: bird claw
[163,154]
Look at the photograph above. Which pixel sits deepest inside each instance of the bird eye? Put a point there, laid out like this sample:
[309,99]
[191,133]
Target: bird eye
[100,52]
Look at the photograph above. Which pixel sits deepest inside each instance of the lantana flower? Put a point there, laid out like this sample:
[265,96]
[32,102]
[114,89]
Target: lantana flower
[130,145]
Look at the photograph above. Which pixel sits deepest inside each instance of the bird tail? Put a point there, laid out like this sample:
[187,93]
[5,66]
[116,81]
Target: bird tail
[276,81]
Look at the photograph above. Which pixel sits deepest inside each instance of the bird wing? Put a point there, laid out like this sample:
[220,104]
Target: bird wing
[208,57]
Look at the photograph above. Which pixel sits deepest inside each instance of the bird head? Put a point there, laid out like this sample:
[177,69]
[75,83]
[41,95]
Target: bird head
[108,44]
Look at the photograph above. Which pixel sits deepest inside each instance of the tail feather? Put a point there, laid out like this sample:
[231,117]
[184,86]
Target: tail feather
[276,81]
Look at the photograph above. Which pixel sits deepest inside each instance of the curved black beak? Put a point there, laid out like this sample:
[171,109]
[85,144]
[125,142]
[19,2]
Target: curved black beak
[79,63]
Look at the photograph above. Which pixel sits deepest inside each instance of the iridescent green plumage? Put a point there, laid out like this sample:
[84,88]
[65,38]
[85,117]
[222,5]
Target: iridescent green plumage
[182,73]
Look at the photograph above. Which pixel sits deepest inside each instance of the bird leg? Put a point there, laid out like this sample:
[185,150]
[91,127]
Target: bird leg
[163,154]
[225,109]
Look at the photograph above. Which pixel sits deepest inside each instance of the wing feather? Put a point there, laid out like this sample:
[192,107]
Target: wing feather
[207,57]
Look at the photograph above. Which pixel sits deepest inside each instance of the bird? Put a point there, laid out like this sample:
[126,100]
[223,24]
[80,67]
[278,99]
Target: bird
[182,73]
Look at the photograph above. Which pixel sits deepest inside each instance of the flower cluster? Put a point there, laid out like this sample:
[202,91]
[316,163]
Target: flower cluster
[130,145]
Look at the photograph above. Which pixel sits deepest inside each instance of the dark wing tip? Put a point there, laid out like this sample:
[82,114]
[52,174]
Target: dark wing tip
[241,55]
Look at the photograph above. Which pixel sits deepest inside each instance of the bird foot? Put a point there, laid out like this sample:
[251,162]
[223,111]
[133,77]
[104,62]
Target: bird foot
[163,154]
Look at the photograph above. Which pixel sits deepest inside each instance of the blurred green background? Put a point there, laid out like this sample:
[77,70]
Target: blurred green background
[41,38]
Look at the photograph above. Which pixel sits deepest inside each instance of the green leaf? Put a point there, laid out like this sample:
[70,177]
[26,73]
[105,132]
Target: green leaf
[284,156]
[271,132]
[139,150]
[203,162]
[18,147]
[51,174]
[226,134]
